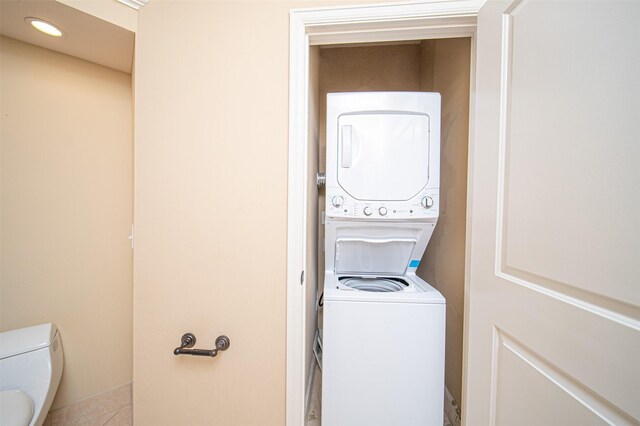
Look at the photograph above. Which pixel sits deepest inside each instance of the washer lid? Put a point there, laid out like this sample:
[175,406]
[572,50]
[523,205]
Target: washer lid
[373,255]
[16,408]
[383,155]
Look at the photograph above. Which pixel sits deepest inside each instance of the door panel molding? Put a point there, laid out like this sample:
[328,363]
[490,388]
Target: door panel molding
[592,401]
[611,309]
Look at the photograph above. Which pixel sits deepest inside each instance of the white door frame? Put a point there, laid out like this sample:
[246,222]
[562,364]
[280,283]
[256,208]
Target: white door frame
[352,24]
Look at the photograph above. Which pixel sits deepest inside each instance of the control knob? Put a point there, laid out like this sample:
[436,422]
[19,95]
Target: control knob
[337,201]
[367,211]
[382,211]
[427,202]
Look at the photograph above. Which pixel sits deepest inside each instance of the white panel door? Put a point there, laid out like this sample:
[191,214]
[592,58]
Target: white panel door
[554,296]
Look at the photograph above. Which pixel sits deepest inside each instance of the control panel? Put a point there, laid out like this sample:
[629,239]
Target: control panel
[339,204]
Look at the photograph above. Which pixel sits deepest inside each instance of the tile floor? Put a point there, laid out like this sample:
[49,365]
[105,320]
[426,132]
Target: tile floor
[314,416]
[111,408]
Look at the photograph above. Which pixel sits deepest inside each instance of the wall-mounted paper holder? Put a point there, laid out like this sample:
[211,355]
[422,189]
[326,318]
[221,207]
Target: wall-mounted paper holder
[189,340]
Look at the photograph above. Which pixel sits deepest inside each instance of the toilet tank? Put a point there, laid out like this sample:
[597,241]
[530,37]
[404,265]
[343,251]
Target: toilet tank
[31,360]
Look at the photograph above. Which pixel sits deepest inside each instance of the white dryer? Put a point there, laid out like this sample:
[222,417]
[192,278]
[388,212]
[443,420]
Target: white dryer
[383,327]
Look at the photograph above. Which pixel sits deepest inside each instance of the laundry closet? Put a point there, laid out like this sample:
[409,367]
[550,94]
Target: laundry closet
[438,65]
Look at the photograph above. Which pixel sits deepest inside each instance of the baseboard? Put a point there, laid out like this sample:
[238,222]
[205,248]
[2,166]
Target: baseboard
[451,409]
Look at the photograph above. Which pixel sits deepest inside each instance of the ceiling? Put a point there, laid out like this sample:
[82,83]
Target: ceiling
[85,36]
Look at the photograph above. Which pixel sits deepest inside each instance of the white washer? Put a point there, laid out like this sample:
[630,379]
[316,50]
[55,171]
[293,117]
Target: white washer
[384,327]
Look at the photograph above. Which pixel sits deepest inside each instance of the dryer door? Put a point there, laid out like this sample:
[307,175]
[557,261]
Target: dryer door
[383,156]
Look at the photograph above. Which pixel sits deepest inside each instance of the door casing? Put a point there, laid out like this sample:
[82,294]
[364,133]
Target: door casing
[343,25]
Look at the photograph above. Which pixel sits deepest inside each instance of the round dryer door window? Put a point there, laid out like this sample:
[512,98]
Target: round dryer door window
[383,156]
[378,285]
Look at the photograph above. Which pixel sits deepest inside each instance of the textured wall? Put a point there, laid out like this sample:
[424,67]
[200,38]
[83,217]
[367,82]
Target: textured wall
[446,70]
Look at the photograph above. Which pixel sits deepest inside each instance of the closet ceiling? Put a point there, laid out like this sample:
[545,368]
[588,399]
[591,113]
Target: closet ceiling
[85,36]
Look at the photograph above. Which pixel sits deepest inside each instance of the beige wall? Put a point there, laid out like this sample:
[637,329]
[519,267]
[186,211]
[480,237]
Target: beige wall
[212,89]
[211,211]
[445,69]
[66,211]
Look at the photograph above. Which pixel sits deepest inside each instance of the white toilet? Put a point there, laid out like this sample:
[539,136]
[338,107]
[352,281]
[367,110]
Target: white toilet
[30,371]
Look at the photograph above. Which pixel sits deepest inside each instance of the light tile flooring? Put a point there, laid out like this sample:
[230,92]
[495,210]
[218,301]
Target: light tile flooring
[315,404]
[314,416]
[111,408]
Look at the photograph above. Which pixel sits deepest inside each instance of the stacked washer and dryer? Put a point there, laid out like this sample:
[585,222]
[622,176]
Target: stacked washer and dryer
[383,327]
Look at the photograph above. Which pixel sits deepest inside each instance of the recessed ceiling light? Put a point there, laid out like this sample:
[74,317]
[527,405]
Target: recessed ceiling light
[45,27]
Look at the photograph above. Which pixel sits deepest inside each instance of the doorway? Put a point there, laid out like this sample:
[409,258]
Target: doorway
[426,26]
